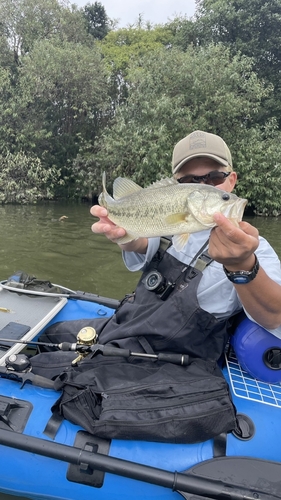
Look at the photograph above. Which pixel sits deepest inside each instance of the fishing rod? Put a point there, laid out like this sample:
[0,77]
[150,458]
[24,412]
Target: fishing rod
[64,346]
[18,368]
[107,350]
[92,297]
[214,479]
[66,293]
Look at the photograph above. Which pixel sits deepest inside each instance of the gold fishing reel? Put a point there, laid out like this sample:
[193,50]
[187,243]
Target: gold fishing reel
[87,336]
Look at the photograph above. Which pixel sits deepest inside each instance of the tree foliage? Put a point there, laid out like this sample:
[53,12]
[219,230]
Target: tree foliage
[64,86]
[251,27]
[125,45]
[23,179]
[259,165]
[79,96]
[23,22]
[97,22]
[172,93]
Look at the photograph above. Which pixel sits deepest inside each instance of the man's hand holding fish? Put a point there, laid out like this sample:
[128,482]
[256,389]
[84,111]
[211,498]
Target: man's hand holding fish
[233,245]
[198,209]
[113,232]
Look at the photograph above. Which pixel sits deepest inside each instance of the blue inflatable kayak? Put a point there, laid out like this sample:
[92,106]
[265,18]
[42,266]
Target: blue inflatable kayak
[76,465]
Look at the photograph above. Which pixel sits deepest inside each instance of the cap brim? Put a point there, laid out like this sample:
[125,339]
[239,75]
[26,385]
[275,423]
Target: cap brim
[221,161]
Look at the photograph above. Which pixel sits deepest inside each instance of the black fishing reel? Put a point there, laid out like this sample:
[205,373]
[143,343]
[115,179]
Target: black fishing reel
[18,363]
[157,283]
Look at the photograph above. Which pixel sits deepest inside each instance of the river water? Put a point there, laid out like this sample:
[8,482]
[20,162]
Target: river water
[68,253]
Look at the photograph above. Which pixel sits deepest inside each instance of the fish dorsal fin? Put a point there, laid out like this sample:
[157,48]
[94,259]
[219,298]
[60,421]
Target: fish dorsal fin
[168,181]
[104,197]
[124,187]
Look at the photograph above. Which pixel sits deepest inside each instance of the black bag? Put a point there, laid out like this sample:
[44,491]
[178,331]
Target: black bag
[147,400]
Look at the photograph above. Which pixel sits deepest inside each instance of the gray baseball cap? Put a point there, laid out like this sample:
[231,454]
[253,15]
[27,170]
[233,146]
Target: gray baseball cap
[198,144]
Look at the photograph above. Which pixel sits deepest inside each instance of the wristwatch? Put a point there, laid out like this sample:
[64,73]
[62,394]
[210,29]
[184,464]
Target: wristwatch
[243,277]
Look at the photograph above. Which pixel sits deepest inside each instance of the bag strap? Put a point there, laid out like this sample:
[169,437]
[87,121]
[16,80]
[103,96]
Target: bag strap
[145,345]
[220,445]
[53,425]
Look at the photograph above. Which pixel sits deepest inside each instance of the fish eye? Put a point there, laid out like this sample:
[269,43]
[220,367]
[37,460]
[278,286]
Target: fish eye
[225,196]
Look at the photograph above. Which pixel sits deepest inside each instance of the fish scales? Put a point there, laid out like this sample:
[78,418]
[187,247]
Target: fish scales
[167,208]
[146,213]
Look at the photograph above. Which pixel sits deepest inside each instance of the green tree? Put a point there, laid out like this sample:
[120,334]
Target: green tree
[258,162]
[53,84]
[184,32]
[122,46]
[172,93]
[98,24]
[252,27]
[63,100]
[23,179]
[8,111]
[26,22]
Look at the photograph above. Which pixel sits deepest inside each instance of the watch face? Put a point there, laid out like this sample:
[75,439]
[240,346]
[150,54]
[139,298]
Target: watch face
[242,277]
[240,280]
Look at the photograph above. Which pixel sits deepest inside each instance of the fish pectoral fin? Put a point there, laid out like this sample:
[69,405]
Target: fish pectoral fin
[124,187]
[125,239]
[175,218]
[180,240]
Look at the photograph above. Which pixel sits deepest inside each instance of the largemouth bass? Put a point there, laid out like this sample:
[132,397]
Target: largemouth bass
[167,208]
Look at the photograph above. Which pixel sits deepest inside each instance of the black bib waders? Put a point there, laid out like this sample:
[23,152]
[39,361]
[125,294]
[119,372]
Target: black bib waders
[177,324]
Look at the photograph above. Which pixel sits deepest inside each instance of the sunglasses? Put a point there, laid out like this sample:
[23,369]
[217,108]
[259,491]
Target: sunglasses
[213,178]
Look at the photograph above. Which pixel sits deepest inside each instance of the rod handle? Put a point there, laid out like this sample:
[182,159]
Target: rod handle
[176,359]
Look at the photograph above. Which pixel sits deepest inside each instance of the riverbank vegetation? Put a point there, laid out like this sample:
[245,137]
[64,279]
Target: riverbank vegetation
[78,96]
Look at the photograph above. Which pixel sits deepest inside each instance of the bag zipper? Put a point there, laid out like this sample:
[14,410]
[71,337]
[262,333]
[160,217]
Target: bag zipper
[186,400]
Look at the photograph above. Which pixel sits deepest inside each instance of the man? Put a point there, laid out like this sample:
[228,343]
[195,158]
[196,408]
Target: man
[189,312]
[244,271]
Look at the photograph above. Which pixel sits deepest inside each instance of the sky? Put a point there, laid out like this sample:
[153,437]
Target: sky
[155,11]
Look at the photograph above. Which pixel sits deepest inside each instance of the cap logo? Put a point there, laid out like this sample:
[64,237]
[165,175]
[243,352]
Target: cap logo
[197,140]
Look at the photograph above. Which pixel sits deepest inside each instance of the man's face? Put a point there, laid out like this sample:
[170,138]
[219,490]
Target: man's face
[203,166]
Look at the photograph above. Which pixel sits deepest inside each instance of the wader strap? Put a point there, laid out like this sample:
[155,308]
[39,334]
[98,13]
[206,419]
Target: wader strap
[203,261]
[199,254]
[165,243]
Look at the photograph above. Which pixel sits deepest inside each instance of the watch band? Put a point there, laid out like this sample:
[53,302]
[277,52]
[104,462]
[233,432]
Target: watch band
[243,277]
